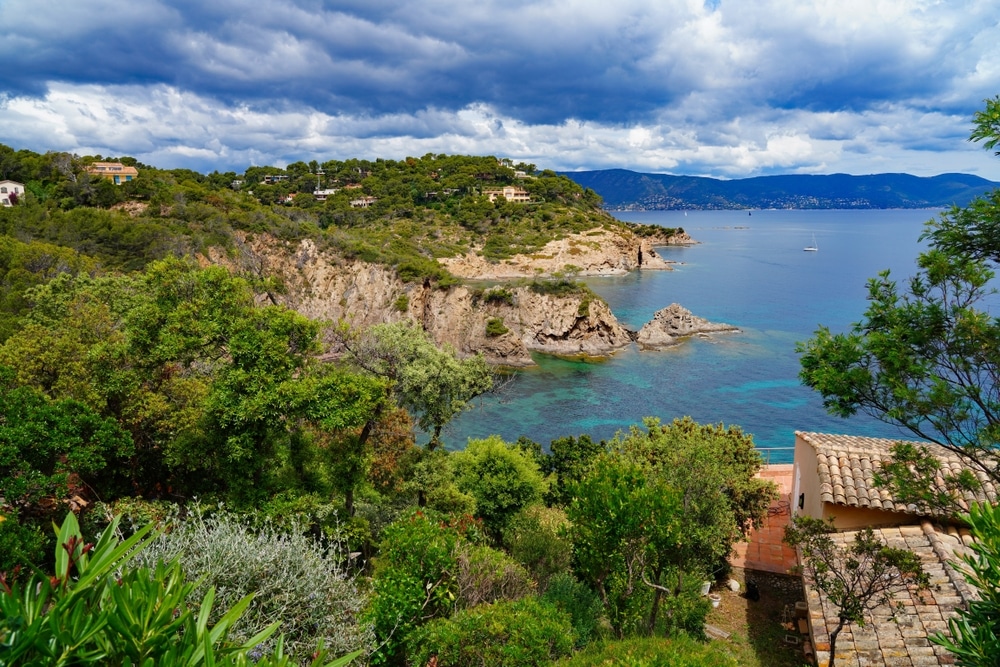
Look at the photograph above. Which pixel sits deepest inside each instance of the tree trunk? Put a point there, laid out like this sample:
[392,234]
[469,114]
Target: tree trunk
[833,640]
[655,609]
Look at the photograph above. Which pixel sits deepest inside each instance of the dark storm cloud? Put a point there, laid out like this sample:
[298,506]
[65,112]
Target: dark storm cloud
[666,85]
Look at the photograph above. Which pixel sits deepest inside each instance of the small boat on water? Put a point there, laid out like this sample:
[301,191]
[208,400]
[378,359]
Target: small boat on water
[813,247]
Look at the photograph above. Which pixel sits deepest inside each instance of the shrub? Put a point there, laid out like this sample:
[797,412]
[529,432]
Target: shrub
[93,611]
[486,575]
[498,296]
[535,540]
[295,580]
[21,544]
[577,600]
[413,582]
[495,327]
[402,303]
[503,478]
[525,632]
[653,652]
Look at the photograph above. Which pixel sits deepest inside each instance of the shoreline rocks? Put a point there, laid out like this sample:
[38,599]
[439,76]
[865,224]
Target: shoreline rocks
[672,324]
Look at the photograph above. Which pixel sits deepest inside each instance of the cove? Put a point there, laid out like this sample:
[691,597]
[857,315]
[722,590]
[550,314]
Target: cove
[748,270]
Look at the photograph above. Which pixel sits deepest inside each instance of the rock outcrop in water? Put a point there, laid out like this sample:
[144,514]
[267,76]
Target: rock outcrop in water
[672,324]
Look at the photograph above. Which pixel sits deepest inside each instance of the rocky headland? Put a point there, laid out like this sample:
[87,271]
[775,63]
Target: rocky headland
[506,321]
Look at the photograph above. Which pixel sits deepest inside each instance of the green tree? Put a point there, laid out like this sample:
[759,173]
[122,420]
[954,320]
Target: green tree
[665,501]
[856,577]
[503,478]
[431,382]
[974,636]
[624,521]
[50,450]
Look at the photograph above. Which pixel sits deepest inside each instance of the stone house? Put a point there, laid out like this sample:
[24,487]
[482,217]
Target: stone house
[833,476]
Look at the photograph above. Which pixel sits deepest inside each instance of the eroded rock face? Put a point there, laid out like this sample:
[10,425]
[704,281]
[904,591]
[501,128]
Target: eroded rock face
[672,324]
[598,252]
[324,287]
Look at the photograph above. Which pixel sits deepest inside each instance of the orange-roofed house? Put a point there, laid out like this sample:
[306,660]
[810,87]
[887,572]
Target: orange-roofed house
[116,172]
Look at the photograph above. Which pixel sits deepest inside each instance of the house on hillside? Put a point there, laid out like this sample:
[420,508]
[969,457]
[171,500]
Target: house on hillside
[116,172]
[833,476]
[508,192]
[8,188]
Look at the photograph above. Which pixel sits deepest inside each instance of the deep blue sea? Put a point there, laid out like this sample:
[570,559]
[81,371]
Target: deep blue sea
[748,270]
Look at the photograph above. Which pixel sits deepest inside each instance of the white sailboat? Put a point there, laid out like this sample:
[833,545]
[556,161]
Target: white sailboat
[813,247]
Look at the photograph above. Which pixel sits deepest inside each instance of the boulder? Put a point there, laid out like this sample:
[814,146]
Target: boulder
[672,324]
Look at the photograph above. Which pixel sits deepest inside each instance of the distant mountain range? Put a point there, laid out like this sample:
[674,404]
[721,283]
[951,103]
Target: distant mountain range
[629,190]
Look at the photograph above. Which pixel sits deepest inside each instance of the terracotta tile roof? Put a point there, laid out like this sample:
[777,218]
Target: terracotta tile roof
[903,641]
[847,464]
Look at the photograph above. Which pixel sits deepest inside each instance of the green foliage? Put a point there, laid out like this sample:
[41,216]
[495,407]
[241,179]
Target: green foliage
[22,544]
[560,287]
[413,582]
[568,459]
[537,538]
[485,575]
[987,124]
[498,296]
[663,502]
[973,636]
[858,577]
[495,327]
[45,444]
[625,524]
[89,612]
[430,382]
[402,303]
[580,602]
[292,579]
[503,478]
[525,632]
[676,652]
[220,395]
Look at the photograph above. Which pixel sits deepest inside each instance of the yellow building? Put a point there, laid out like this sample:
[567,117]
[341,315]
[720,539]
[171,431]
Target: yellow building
[115,172]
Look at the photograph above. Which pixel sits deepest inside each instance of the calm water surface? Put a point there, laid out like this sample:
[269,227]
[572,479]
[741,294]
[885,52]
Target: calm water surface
[749,271]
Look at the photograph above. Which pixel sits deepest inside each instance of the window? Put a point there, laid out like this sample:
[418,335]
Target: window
[4,189]
[118,179]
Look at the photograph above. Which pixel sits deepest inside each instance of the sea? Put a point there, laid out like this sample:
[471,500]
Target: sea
[748,269]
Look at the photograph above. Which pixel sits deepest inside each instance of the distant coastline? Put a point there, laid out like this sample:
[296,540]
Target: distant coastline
[623,190]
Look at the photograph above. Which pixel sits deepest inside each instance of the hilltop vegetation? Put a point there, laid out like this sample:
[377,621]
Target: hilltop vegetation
[404,213]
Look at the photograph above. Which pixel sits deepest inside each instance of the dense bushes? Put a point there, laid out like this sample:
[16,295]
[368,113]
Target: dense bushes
[95,611]
[526,633]
[293,579]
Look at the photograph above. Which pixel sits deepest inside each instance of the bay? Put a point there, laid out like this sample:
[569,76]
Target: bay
[748,270]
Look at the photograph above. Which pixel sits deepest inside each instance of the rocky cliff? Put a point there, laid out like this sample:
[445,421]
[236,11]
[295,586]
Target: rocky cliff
[598,252]
[323,286]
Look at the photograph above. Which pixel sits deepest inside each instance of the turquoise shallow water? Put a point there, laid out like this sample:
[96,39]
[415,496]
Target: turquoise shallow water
[747,270]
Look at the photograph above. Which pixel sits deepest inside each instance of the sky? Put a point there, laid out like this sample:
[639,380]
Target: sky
[722,88]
